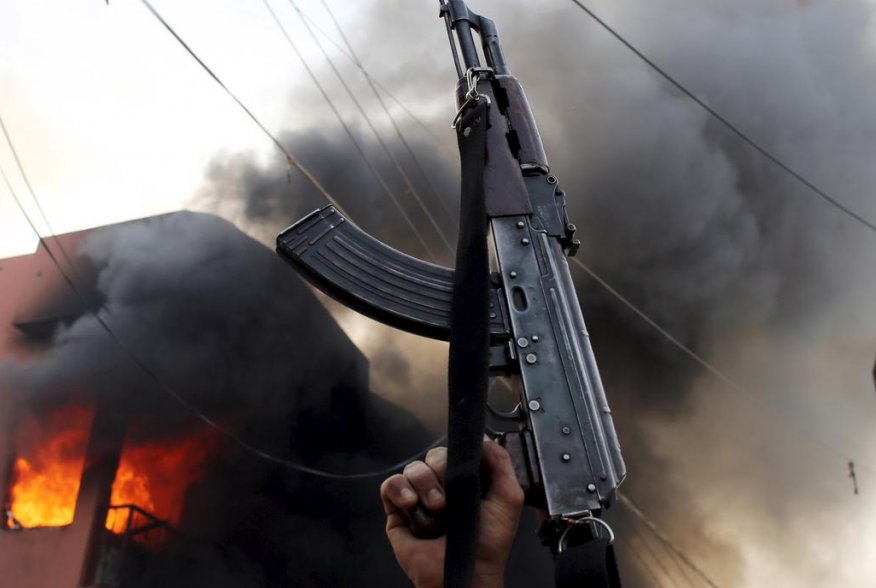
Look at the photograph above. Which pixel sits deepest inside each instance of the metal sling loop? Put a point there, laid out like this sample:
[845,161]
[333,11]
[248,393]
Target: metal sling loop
[561,544]
[472,76]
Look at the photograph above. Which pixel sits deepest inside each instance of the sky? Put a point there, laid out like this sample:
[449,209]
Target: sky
[113,121]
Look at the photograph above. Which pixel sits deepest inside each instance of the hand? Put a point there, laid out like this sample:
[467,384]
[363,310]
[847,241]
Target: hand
[423,559]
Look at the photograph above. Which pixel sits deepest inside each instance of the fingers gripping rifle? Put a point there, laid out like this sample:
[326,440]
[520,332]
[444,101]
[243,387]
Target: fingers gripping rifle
[563,443]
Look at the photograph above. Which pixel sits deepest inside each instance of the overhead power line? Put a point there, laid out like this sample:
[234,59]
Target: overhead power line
[152,374]
[24,177]
[296,466]
[176,396]
[703,362]
[664,571]
[370,123]
[656,326]
[377,175]
[631,506]
[354,59]
[665,333]
[292,161]
[442,201]
[729,125]
[30,189]
[631,547]
[680,565]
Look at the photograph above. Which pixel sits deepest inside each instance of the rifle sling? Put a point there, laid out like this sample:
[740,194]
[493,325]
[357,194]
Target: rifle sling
[468,376]
[590,564]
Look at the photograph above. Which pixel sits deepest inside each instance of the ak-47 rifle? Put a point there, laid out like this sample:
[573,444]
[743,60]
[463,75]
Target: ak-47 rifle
[564,447]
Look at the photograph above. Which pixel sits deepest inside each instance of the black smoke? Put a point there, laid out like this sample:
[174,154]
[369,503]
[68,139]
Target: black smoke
[743,264]
[226,327]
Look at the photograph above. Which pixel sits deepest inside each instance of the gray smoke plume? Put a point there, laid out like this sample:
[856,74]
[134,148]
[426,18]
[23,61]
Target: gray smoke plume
[743,264]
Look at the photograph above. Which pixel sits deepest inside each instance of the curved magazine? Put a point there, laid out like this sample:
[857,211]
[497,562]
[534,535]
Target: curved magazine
[383,283]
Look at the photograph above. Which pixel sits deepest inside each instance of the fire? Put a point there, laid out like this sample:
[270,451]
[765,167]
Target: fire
[154,477]
[47,472]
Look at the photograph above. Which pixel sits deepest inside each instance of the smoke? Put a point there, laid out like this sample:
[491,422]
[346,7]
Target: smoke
[738,260]
[232,330]
[166,283]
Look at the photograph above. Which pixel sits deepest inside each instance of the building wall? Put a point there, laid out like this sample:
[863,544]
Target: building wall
[54,556]
[65,557]
[33,297]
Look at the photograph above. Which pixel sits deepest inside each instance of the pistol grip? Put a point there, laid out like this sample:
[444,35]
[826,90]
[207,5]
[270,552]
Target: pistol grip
[521,447]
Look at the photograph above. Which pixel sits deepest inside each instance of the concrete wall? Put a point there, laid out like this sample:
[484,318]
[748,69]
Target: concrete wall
[65,557]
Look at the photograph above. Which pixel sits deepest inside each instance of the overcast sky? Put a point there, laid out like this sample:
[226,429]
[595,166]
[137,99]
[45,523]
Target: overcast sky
[113,121]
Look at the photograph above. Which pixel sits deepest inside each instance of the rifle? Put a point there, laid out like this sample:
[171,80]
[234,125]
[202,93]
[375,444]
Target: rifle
[562,439]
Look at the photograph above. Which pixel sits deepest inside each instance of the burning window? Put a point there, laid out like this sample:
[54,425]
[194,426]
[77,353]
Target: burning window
[150,482]
[154,475]
[47,469]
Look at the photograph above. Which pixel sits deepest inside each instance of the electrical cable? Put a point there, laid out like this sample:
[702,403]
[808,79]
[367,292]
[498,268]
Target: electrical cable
[663,569]
[292,161]
[349,132]
[309,176]
[696,357]
[679,565]
[676,564]
[644,566]
[665,541]
[706,364]
[683,569]
[438,141]
[371,83]
[631,506]
[30,190]
[289,158]
[170,391]
[727,124]
[693,355]
[405,178]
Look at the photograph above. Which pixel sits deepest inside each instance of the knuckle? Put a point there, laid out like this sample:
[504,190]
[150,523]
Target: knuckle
[435,454]
[388,484]
[414,467]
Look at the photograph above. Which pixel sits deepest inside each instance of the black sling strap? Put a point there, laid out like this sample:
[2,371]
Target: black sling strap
[468,376]
[590,565]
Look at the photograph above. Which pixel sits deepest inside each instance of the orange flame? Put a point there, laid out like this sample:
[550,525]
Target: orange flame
[46,474]
[155,476]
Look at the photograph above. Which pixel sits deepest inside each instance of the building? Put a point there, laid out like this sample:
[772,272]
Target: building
[143,491]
